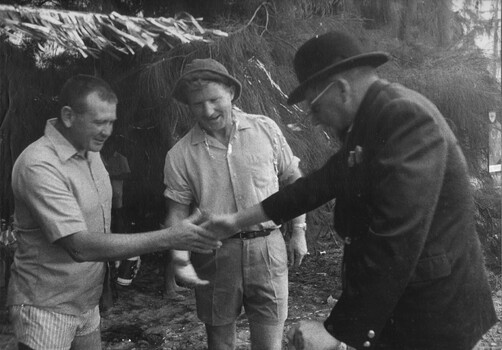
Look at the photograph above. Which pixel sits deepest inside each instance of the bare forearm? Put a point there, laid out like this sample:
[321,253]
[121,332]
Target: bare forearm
[102,247]
[250,216]
[299,221]
[186,235]
[228,224]
[176,214]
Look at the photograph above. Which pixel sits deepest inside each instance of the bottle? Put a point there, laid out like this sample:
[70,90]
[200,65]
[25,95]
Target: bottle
[127,271]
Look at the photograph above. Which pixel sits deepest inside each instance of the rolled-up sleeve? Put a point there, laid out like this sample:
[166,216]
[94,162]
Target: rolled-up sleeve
[177,185]
[287,164]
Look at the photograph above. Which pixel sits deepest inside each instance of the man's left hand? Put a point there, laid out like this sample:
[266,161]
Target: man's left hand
[186,273]
[297,248]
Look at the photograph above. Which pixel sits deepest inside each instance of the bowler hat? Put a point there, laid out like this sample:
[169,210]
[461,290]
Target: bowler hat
[207,65]
[327,54]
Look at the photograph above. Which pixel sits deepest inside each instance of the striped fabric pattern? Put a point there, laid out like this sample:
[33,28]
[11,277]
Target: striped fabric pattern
[42,329]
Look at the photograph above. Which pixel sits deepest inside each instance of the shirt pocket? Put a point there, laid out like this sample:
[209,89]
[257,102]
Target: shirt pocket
[261,168]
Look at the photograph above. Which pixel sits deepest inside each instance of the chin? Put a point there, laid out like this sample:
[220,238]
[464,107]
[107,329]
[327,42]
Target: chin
[96,148]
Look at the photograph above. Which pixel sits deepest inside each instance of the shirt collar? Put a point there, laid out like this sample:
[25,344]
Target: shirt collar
[64,149]
[242,123]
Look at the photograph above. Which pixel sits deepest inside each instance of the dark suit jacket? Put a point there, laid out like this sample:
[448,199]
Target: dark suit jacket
[413,270]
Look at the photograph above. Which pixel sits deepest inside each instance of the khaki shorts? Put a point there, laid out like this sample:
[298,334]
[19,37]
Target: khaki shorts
[249,273]
[42,329]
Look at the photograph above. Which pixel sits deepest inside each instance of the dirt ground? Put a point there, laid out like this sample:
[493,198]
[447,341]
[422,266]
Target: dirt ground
[143,319]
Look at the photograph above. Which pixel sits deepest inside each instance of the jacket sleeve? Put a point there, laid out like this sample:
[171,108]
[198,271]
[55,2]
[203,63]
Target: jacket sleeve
[407,168]
[306,193]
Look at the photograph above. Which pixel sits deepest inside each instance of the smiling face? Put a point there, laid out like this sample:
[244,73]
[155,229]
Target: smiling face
[211,106]
[89,129]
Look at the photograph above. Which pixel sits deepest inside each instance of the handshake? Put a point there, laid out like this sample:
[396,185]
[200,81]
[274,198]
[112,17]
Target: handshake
[201,233]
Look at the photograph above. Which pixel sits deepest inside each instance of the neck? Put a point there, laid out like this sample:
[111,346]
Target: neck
[66,134]
[222,135]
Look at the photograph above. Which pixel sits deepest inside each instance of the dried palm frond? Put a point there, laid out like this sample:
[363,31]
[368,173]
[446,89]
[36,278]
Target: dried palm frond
[90,33]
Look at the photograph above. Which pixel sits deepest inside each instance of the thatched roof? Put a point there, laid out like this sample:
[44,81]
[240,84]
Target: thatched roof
[90,33]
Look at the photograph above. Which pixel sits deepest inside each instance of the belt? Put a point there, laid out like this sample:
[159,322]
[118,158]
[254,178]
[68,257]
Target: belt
[252,234]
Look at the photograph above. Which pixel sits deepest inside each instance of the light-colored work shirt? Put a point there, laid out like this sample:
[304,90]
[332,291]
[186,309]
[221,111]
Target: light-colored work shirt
[222,179]
[57,193]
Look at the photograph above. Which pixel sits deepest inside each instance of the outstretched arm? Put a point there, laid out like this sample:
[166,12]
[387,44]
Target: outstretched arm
[96,246]
[226,225]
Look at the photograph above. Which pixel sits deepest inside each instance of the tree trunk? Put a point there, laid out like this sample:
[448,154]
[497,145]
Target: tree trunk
[444,20]
[406,20]
[496,39]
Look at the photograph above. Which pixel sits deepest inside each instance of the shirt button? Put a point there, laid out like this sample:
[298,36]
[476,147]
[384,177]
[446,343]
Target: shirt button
[347,240]
[371,334]
[366,344]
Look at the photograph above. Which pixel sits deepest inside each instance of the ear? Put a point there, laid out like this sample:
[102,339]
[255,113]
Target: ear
[345,89]
[231,89]
[67,116]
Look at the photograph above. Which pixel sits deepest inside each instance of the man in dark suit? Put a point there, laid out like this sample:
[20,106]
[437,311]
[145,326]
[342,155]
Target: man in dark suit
[413,273]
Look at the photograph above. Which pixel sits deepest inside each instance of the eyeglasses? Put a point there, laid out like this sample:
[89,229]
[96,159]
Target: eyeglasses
[312,103]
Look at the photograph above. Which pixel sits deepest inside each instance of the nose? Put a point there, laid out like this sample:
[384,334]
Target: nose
[207,109]
[107,129]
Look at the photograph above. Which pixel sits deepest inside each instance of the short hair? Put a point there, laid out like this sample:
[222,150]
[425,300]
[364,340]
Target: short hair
[76,89]
[197,80]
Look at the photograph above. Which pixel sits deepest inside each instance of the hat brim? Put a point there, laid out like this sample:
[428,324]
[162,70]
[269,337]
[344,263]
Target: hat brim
[373,59]
[178,93]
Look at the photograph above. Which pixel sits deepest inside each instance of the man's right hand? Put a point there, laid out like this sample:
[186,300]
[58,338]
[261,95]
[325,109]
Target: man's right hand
[311,335]
[223,225]
[191,234]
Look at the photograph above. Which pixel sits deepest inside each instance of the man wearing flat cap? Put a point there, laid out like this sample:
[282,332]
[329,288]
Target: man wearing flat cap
[413,273]
[229,161]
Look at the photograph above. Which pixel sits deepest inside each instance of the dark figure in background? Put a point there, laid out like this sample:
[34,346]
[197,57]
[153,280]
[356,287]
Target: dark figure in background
[63,198]
[413,272]
[118,168]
